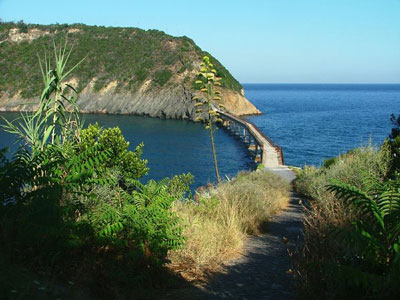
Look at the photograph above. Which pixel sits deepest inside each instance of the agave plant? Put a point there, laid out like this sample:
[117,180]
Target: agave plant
[38,128]
[208,81]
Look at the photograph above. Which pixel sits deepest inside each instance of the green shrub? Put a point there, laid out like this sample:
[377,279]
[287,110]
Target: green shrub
[141,74]
[162,77]
[371,264]
[394,145]
[22,27]
[129,163]
[138,224]
[349,168]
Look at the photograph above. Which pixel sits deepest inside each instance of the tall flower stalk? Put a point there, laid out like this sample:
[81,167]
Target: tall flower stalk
[208,82]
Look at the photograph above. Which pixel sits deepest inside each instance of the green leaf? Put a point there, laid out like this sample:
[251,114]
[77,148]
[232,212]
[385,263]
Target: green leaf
[47,134]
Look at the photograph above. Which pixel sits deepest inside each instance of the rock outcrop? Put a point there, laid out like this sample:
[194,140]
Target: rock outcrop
[170,103]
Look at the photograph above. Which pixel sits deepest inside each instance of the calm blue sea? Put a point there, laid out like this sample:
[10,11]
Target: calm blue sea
[171,146]
[310,121]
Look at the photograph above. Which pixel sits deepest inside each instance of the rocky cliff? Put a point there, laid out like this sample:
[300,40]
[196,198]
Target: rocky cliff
[127,71]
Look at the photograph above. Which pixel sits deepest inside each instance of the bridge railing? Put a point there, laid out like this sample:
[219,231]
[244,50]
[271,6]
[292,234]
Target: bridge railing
[246,124]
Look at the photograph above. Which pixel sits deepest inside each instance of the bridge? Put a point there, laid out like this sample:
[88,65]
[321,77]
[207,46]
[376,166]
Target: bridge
[262,148]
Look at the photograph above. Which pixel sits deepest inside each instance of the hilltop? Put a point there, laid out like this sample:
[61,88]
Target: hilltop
[126,70]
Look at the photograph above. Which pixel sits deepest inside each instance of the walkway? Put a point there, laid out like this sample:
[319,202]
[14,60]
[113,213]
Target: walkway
[271,154]
[263,270]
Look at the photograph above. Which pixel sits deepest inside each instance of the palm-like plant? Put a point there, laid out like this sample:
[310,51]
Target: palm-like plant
[208,81]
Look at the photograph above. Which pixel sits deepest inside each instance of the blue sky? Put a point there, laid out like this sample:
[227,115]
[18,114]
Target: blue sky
[274,41]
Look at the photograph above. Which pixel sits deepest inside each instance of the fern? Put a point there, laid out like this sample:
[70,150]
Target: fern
[111,229]
[374,239]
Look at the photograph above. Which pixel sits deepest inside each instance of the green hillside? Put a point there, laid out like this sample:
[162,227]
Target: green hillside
[129,56]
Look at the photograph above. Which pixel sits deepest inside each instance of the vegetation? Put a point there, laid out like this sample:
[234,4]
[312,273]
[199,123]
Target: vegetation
[219,218]
[75,221]
[352,228]
[128,56]
[130,164]
[207,81]
[71,204]
[394,144]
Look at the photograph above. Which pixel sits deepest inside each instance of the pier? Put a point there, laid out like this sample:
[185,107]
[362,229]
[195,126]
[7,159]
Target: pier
[261,147]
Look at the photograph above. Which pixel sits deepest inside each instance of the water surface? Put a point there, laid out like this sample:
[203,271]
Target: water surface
[312,122]
[172,146]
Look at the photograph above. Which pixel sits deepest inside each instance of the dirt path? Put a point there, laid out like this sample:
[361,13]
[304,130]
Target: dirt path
[262,271]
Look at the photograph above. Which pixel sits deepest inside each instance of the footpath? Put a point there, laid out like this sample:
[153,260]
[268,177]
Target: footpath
[264,269]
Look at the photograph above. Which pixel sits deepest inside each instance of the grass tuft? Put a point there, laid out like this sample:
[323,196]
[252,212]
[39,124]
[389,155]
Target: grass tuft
[219,219]
[325,211]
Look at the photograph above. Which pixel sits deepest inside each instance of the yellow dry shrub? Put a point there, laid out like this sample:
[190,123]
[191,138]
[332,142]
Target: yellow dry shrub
[219,219]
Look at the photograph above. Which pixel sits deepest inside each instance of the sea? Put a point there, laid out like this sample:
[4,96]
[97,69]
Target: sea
[311,122]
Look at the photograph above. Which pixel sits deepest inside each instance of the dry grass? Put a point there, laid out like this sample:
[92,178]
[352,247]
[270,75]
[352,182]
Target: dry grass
[349,168]
[220,217]
[326,212]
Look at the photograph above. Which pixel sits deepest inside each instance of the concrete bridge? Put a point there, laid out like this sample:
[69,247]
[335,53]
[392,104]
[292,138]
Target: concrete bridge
[263,149]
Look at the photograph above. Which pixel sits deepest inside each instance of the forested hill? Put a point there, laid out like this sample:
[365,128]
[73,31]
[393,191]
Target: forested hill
[124,69]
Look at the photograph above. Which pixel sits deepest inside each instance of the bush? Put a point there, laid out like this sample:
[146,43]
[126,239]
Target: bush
[70,195]
[56,209]
[220,218]
[129,163]
[394,145]
[328,266]
[23,28]
[140,225]
[349,168]
[162,77]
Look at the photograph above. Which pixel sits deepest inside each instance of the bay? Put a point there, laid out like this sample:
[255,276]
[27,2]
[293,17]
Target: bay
[171,146]
[311,122]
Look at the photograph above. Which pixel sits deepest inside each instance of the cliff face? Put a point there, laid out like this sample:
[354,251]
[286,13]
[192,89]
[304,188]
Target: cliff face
[175,103]
[127,71]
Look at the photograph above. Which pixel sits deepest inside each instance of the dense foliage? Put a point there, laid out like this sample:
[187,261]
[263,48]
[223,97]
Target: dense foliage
[70,200]
[130,164]
[126,55]
[352,226]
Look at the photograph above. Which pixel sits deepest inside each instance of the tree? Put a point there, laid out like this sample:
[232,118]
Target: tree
[23,28]
[208,80]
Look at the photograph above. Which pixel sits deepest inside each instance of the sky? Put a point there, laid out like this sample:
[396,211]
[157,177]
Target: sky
[258,41]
